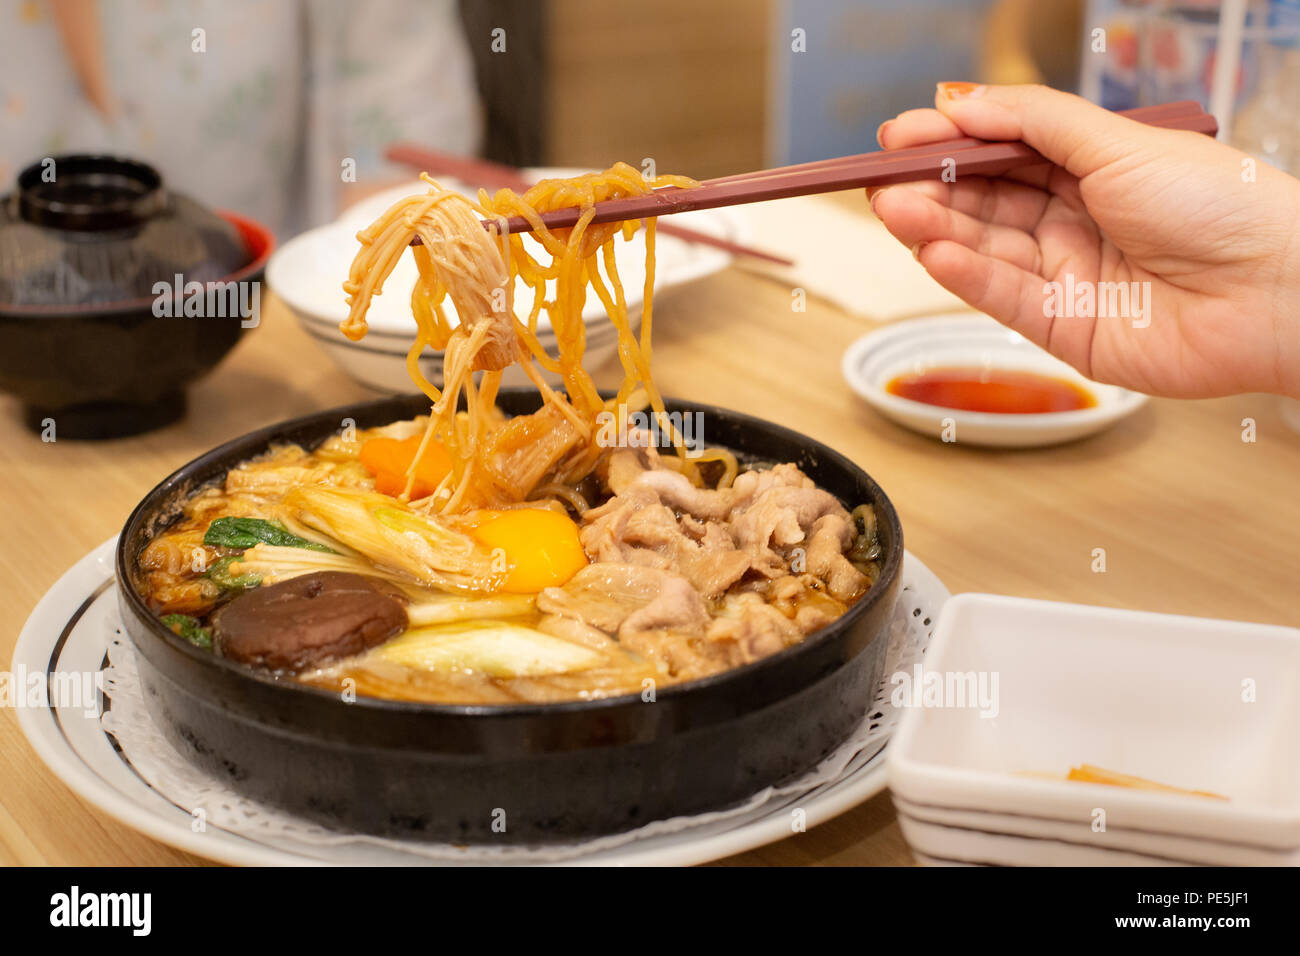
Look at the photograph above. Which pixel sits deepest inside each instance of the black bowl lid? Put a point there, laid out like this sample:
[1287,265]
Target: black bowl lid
[90,193]
[85,231]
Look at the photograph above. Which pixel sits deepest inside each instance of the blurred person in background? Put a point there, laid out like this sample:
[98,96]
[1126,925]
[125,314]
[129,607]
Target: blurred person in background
[263,107]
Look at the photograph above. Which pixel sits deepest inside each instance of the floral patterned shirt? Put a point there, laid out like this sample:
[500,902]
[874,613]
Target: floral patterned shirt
[263,107]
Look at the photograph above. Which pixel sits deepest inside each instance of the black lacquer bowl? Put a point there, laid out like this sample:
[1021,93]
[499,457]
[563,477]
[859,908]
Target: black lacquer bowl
[100,327]
[544,772]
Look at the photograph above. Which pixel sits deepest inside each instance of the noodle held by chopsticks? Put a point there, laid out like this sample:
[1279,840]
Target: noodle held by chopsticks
[476,269]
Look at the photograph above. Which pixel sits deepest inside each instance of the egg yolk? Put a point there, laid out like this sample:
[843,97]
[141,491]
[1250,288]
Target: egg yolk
[541,547]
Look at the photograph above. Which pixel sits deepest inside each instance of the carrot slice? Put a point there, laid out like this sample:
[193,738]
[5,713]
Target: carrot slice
[389,460]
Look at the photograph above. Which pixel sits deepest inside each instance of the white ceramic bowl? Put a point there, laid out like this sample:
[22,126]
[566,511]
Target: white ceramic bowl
[969,339]
[1189,702]
[379,360]
[308,272]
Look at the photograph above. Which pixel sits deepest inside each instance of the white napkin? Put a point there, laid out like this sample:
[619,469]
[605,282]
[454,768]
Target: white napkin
[845,255]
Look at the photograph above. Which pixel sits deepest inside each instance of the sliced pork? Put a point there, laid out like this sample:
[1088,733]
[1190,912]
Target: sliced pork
[753,628]
[831,535]
[624,598]
[696,580]
[677,607]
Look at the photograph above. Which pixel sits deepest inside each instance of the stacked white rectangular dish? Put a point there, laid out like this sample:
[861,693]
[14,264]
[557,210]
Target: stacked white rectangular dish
[1188,702]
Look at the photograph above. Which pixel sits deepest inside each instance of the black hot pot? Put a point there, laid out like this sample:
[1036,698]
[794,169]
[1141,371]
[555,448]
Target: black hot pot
[546,772]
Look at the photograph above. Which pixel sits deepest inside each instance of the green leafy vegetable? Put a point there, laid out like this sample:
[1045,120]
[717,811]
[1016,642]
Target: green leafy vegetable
[249,532]
[190,629]
[220,575]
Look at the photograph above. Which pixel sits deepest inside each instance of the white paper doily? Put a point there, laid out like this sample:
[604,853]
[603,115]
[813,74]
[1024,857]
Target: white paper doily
[254,832]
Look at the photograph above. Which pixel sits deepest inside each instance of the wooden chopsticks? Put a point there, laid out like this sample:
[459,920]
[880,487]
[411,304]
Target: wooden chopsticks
[962,157]
[492,175]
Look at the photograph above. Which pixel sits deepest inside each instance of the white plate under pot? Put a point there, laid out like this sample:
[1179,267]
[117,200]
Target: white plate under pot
[105,746]
[966,340]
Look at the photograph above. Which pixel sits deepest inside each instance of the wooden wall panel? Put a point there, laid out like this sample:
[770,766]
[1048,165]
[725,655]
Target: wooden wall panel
[682,81]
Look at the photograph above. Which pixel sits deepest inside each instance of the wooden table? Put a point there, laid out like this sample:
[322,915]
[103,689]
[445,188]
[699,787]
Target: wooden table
[1193,519]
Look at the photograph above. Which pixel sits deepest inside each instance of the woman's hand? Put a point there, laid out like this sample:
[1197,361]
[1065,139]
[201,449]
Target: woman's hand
[1213,235]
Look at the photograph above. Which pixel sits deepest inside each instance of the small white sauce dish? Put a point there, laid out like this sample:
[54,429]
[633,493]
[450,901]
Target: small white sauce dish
[1186,702]
[973,340]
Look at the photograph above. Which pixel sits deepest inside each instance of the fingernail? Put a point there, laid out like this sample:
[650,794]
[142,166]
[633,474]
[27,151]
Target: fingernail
[872,197]
[961,91]
[880,133]
[916,250]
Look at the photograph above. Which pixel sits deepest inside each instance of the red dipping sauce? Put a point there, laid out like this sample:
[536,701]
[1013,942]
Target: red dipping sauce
[1002,391]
